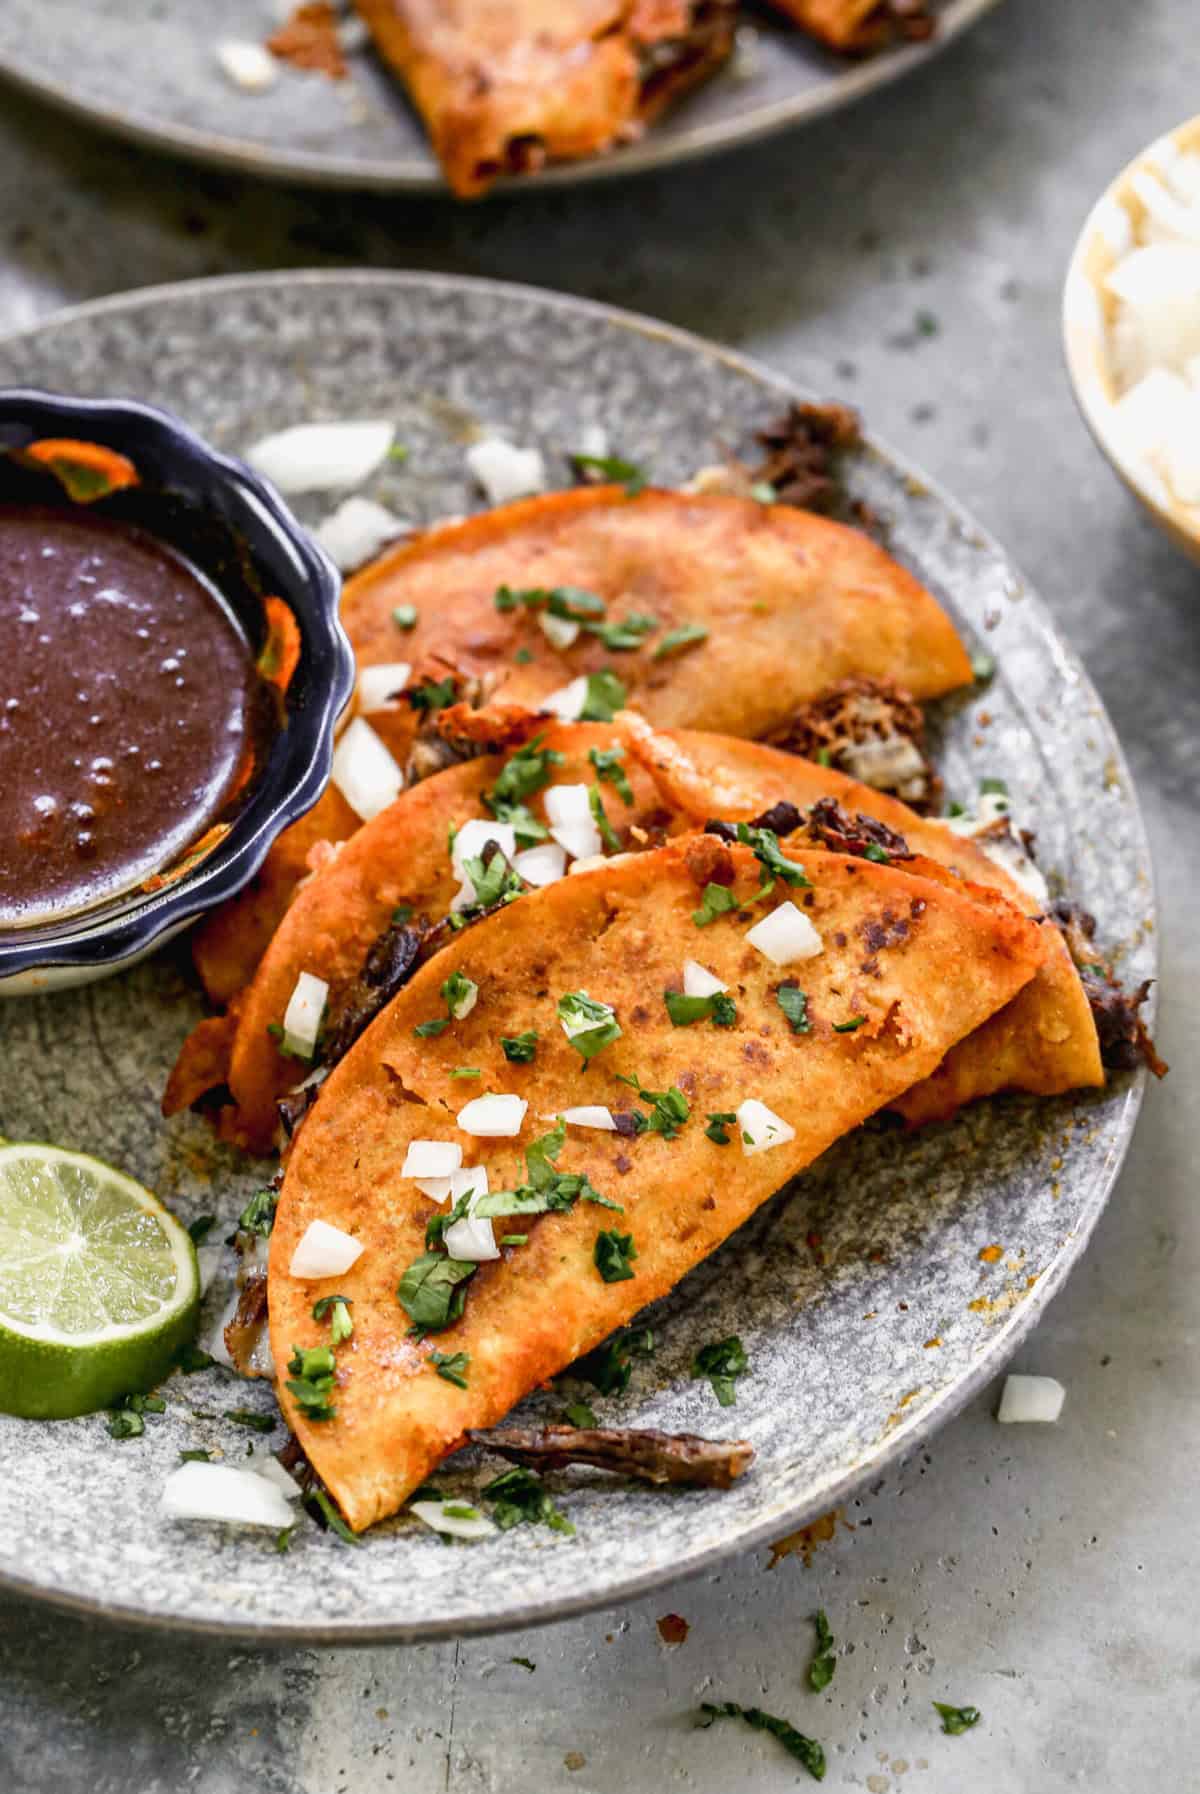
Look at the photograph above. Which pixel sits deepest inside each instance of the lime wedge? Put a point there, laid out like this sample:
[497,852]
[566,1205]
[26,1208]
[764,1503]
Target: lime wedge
[98,1284]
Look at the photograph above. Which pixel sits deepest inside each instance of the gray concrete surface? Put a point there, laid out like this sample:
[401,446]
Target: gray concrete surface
[1050,1576]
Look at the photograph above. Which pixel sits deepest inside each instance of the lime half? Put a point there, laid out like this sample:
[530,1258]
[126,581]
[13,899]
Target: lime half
[98,1284]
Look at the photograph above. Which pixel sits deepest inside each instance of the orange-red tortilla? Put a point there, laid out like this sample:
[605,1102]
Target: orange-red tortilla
[621,933]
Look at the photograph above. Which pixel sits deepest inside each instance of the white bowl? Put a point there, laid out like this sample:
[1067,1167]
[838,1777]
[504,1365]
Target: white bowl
[1088,312]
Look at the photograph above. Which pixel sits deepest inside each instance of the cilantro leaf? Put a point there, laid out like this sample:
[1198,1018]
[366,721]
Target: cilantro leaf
[125,1423]
[404,616]
[856,1021]
[495,881]
[629,633]
[431,1291]
[614,468]
[769,854]
[612,1254]
[794,1003]
[684,1010]
[605,696]
[459,993]
[319,1499]
[820,1670]
[609,1367]
[718,1121]
[430,1030]
[521,1498]
[190,1359]
[453,1366]
[434,694]
[579,1414]
[588,1024]
[683,637]
[805,1750]
[258,1216]
[717,900]
[201,1227]
[608,833]
[337,1308]
[721,1362]
[522,774]
[519,1049]
[957,1719]
[311,1382]
[608,764]
[251,1418]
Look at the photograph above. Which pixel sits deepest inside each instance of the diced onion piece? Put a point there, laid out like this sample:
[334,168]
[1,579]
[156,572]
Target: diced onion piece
[1159,287]
[354,533]
[471,1238]
[365,772]
[590,1115]
[273,1472]
[324,1251]
[568,701]
[379,687]
[560,632]
[1147,413]
[458,1525]
[1006,852]
[474,836]
[760,1128]
[322,457]
[247,65]
[1031,1398]
[303,1015]
[572,825]
[1175,221]
[436,1188]
[431,1158]
[593,441]
[785,936]
[469,1177]
[197,1491]
[541,865]
[504,471]
[496,1117]
[698,981]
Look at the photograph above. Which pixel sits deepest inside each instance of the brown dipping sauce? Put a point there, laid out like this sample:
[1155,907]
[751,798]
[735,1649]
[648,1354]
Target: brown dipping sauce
[128,700]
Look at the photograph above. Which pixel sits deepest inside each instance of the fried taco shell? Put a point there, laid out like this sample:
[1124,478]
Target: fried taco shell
[620,933]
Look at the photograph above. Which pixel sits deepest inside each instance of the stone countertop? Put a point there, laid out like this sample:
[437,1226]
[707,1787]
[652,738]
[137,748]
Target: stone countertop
[908,256]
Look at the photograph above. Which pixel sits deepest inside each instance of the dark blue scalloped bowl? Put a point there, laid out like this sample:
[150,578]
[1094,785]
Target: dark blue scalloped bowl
[238,529]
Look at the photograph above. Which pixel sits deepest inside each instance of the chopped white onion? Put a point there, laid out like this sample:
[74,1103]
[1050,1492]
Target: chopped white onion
[273,1472]
[785,936]
[1159,290]
[469,1177]
[590,1115]
[593,441]
[471,1238]
[496,1117]
[560,632]
[324,1251]
[541,865]
[379,687]
[355,532]
[365,772]
[698,981]
[247,65]
[303,1015]
[572,825]
[474,836]
[504,471]
[760,1128]
[458,1525]
[431,1158]
[568,702]
[436,1188]
[1031,1398]
[322,457]
[197,1491]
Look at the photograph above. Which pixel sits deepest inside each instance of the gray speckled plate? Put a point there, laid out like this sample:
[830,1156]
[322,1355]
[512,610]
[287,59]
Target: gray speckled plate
[147,69]
[860,1294]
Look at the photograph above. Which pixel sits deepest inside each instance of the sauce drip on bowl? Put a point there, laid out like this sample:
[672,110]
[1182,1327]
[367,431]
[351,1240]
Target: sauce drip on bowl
[129,701]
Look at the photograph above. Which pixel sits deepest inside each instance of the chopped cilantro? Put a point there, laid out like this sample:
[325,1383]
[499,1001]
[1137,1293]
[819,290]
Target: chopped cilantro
[820,1670]
[605,696]
[626,635]
[954,808]
[190,1359]
[805,1750]
[717,900]
[431,1291]
[824,757]
[337,1309]
[144,1404]
[521,1498]
[547,1189]
[522,657]
[283,1538]
[881,856]
[522,774]
[311,1382]
[494,881]
[609,1367]
[523,1663]
[721,1362]
[258,1216]
[401,914]
[196,1455]
[612,1255]
[466,1071]
[579,1414]
[519,1049]
[453,1366]
[856,1021]
[430,1030]
[434,694]
[319,1499]
[957,1719]
[614,468]
[513,1239]
[770,856]
[588,1024]
[125,1423]
[459,993]
[683,1011]
[201,1227]
[570,602]
[608,764]
[250,1417]
[669,1112]
[794,1003]
[718,1121]
[683,637]
[992,788]
[608,833]
[404,616]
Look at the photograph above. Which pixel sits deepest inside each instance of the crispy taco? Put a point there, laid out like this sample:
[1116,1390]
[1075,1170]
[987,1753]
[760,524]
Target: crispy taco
[681,1115]
[503,89]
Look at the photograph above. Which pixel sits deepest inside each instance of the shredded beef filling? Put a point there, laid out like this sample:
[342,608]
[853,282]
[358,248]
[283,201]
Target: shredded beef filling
[388,966]
[842,833]
[671,62]
[1125,1041]
[872,730]
[651,1457]
[802,454]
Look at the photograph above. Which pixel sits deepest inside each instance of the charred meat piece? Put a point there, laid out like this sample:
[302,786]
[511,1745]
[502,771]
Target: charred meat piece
[871,729]
[389,964]
[842,833]
[1125,1041]
[651,1457]
[802,451]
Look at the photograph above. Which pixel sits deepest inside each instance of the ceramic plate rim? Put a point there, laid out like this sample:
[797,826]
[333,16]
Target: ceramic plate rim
[905,1436]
